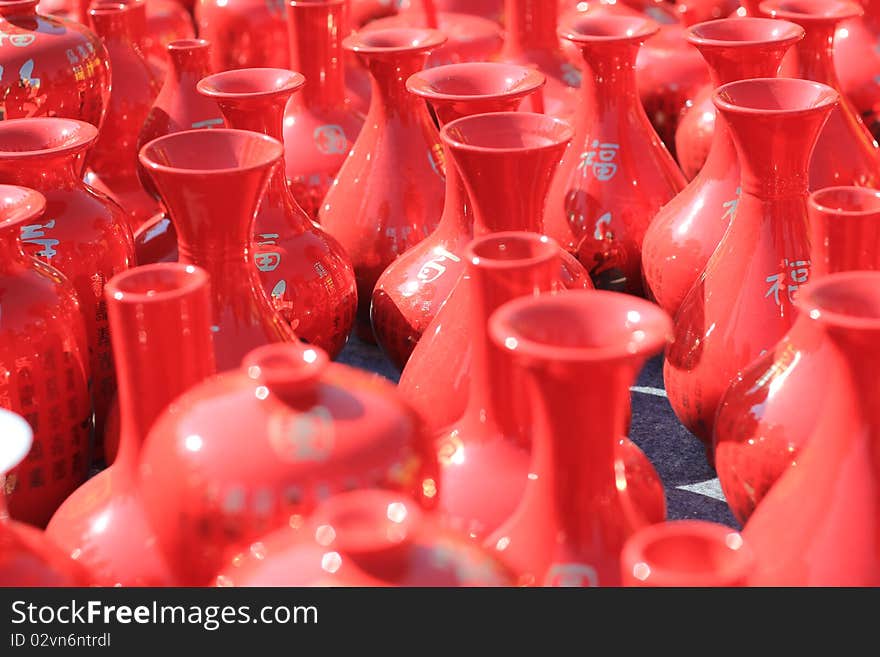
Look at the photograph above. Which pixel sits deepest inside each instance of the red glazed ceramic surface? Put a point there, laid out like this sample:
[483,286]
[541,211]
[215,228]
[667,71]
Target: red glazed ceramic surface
[388,195]
[687,230]
[161,316]
[857,62]
[616,174]
[742,304]
[245,33]
[302,268]
[686,553]
[82,234]
[811,530]
[763,421]
[576,513]
[211,182]
[365,538]
[316,429]
[491,9]
[44,359]
[410,292]
[321,123]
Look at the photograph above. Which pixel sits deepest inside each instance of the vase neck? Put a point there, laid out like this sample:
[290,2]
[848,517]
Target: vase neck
[390,97]
[264,114]
[530,25]
[188,65]
[316,32]
[125,25]
[44,173]
[458,216]
[611,87]
[815,54]
[740,63]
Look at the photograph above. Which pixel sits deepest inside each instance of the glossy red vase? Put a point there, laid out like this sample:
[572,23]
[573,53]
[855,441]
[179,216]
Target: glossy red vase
[764,419]
[27,557]
[51,66]
[45,357]
[167,21]
[211,182]
[245,33]
[577,512]
[492,153]
[303,269]
[686,553]
[315,429]
[161,317]
[361,12]
[490,9]
[322,122]
[811,530]
[83,234]
[388,195]
[616,174]
[687,230]
[857,63]
[113,161]
[743,302]
[846,153]
[365,538]
[691,12]
[410,292]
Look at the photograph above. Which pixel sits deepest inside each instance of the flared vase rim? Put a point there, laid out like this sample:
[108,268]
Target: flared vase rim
[188,279]
[183,45]
[795,33]
[82,134]
[420,83]
[866,192]
[431,39]
[316,3]
[7,7]
[29,204]
[207,85]
[646,28]
[548,250]
[565,133]
[826,97]
[845,9]
[808,303]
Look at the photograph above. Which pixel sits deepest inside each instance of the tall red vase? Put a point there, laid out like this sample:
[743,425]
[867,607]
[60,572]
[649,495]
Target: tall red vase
[411,291]
[818,525]
[51,66]
[211,182]
[616,174]
[161,317]
[388,195]
[245,33]
[743,303]
[365,538]
[763,420]
[846,153]
[687,230]
[303,269]
[857,63]
[493,153]
[27,558]
[113,159]
[687,553]
[83,234]
[315,429]
[44,356]
[321,123]
[576,514]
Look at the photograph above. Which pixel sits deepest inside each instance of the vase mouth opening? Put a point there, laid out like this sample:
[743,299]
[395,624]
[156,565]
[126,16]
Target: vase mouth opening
[17,440]
[580,326]
[774,96]
[744,32]
[608,28]
[19,205]
[285,368]
[811,11]
[507,132]
[315,3]
[844,299]
[211,152]
[186,45]
[511,249]
[102,8]
[846,201]
[475,81]
[688,553]
[394,40]
[247,83]
[44,137]
[156,283]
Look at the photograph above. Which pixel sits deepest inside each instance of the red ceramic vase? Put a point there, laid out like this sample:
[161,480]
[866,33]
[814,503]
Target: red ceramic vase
[687,230]
[846,153]
[490,9]
[743,302]
[51,66]
[315,429]
[302,268]
[817,526]
[412,289]
[245,33]
[113,160]
[167,21]
[27,558]
[83,234]
[691,12]
[388,195]
[321,123]
[687,553]
[361,12]
[211,182]
[45,357]
[857,63]
[365,538]
[161,317]
[577,511]
[763,421]
[493,153]
[616,174]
